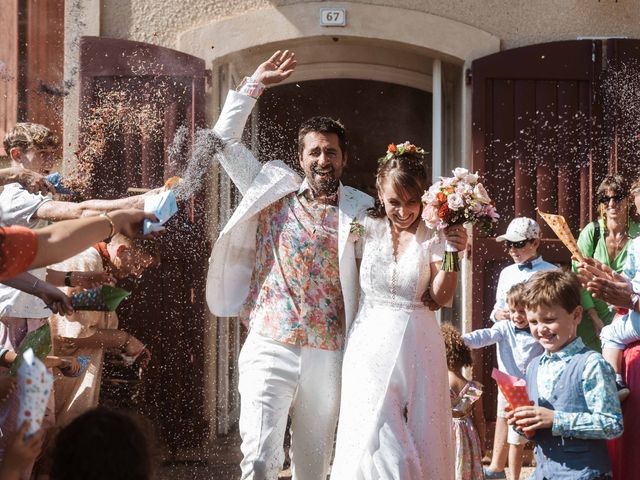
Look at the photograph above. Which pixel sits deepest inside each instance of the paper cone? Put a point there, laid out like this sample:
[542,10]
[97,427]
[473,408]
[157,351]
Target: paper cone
[105,298]
[514,390]
[559,226]
[39,341]
[33,389]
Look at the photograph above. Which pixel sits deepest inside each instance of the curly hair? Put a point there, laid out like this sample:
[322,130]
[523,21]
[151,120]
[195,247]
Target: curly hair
[25,135]
[458,354]
[408,176]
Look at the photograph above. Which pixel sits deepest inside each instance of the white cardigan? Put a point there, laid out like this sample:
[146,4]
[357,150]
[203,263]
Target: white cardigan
[234,254]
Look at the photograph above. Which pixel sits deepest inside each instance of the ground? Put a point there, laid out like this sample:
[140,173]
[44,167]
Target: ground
[224,459]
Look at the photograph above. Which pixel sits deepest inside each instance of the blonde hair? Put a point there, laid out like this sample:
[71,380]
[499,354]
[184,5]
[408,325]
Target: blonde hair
[458,354]
[551,288]
[26,135]
[515,295]
[139,245]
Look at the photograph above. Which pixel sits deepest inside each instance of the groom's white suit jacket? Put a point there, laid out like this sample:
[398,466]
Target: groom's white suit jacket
[234,254]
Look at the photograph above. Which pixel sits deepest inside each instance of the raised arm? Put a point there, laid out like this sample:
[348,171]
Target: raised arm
[239,163]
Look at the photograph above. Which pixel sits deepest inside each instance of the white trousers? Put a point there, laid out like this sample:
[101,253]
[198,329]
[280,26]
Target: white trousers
[275,379]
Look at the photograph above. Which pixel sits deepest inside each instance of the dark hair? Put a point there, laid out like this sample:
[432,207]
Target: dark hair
[407,175]
[323,125]
[103,444]
[617,183]
[551,288]
[458,354]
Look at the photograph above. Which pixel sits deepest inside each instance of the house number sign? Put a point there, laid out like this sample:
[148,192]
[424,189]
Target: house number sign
[333,17]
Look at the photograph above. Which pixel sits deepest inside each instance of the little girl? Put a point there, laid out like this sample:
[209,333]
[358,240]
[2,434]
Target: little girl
[468,419]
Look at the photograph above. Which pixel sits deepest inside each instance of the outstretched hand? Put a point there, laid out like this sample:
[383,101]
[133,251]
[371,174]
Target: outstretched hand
[279,67]
[129,222]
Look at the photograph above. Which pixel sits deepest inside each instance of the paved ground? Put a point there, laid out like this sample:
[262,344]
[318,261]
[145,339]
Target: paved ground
[224,458]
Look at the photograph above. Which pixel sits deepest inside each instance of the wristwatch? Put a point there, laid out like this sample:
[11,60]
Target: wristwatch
[635,298]
[67,279]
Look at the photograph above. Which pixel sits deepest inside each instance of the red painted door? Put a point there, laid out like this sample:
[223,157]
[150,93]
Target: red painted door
[533,109]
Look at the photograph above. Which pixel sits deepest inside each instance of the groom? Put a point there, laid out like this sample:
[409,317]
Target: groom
[283,263]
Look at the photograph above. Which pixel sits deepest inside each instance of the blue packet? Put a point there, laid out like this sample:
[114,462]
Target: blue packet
[164,206]
[55,179]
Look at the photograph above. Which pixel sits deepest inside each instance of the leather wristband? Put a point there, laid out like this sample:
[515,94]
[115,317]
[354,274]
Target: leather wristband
[67,279]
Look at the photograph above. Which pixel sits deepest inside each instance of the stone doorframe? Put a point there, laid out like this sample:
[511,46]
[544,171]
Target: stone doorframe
[390,44]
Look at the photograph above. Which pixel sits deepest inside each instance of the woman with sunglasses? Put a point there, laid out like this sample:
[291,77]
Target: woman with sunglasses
[606,240]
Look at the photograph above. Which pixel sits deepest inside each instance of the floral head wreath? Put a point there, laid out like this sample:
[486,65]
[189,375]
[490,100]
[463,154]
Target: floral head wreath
[400,149]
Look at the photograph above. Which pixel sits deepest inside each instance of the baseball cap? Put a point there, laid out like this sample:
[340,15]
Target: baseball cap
[521,228]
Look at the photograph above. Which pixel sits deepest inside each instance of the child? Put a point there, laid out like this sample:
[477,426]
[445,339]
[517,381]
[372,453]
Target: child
[575,404]
[88,333]
[104,444]
[522,240]
[516,348]
[468,419]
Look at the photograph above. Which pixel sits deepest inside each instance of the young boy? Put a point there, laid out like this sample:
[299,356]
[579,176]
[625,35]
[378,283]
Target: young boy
[522,240]
[575,404]
[516,348]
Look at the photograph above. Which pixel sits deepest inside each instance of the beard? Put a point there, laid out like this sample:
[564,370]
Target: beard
[326,184]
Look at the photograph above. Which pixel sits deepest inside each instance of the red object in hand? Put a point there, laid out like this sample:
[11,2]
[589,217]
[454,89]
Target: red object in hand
[514,390]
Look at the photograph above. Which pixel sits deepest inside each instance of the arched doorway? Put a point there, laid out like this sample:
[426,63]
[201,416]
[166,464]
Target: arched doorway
[418,58]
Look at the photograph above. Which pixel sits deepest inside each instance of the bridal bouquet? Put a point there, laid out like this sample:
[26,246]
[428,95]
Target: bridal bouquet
[454,201]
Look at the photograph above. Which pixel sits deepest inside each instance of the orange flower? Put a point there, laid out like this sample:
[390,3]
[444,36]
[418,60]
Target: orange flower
[441,197]
[392,148]
[443,211]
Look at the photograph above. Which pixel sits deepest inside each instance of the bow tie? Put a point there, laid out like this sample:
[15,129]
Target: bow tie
[525,266]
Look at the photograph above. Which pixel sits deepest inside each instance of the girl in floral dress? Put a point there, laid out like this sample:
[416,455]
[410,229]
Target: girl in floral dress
[468,420]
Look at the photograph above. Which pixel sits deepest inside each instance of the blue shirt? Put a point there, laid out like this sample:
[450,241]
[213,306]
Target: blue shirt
[603,420]
[516,346]
[510,276]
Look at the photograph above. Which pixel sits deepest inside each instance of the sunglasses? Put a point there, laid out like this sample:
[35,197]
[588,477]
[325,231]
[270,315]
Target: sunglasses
[519,244]
[604,199]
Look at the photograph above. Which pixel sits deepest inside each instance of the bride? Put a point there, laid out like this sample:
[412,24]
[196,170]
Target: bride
[395,412]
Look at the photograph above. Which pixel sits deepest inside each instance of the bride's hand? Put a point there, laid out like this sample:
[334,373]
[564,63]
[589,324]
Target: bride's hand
[456,235]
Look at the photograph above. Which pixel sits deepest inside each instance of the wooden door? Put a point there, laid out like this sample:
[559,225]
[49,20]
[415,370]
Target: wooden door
[532,114]
[140,106]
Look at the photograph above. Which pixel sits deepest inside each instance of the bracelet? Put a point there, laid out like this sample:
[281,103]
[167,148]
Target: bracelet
[251,87]
[67,279]
[113,227]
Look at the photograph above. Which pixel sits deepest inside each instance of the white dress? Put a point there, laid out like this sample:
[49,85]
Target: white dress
[395,410]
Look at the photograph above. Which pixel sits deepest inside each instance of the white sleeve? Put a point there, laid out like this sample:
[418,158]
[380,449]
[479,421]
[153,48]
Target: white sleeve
[19,206]
[237,160]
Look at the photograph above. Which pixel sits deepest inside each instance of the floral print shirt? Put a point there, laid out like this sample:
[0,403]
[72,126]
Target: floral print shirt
[295,295]
[604,418]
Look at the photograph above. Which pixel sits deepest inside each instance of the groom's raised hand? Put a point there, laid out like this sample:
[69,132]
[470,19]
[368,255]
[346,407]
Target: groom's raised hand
[279,67]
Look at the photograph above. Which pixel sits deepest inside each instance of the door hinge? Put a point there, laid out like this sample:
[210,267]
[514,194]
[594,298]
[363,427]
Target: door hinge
[468,76]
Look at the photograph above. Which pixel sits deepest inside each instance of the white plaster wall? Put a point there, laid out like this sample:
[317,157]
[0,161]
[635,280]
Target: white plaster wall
[515,22]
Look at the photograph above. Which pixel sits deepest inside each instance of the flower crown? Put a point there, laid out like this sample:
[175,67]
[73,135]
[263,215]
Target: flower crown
[400,149]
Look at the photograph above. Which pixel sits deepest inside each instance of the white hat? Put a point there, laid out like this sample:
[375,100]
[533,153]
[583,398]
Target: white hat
[521,228]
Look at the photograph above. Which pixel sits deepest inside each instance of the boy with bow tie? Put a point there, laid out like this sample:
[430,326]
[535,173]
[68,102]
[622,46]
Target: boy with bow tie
[522,240]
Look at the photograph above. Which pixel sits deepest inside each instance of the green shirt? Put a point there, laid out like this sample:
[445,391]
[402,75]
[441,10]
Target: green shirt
[600,253]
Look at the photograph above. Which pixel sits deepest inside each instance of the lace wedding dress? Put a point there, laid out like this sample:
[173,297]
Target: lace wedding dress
[395,411]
